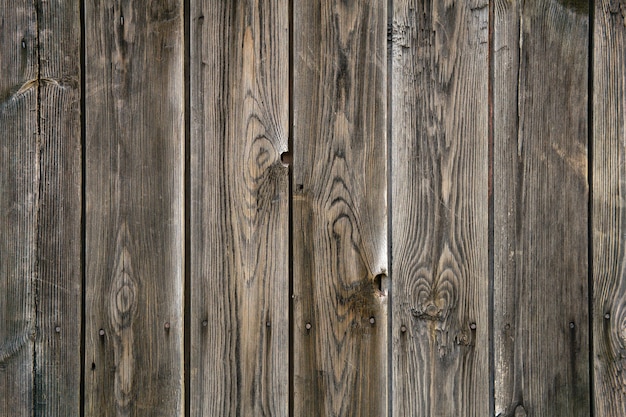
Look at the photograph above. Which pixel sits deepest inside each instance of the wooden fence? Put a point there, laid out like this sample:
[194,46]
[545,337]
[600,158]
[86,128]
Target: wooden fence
[313,208]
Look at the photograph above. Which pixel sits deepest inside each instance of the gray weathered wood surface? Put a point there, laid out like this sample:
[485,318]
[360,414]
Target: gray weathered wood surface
[440,296]
[40,184]
[540,186]
[19,188]
[239,209]
[300,208]
[340,209]
[134,252]
[608,210]
[58,288]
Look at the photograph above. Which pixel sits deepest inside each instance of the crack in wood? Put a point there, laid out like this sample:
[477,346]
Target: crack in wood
[16,93]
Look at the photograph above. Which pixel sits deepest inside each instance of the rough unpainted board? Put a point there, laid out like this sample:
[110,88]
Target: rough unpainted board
[134,208]
[19,204]
[59,242]
[340,209]
[239,208]
[541,328]
[609,214]
[440,281]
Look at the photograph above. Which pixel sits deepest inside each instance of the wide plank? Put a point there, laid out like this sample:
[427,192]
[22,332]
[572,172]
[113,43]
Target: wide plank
[608,209]
[59,242]
[19,204]
[440,291]
[239,208]
[540,186]
[339,199]
[134,124]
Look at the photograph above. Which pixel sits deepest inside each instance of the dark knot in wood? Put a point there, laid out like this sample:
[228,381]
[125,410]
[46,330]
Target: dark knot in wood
[429,312]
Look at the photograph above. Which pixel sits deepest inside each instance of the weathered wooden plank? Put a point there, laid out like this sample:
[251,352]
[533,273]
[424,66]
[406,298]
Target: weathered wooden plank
[134,208]
[608,210]
[58,290]
[340,209]
[440,208]
[239,213]
[19,204]
[540,208]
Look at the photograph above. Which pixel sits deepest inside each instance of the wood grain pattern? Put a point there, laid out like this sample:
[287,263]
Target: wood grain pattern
[134,208]
[609,213]
[41,262]
[540,211]
[59,280]
[440,208]
[239,212]
[340,209]
[19,204]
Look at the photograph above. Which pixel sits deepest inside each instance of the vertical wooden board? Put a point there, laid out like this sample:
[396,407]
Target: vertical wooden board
[134,208]
[239,208]
[57,348]
[505,62]
[19,204]
[440,346]
[541,353]
[340,209]
[609,214]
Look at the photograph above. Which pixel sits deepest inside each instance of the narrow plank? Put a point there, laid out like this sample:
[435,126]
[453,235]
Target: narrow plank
[59,280]
[134,208]
[608,211]
[340,209]
[239,213]
[440,301]
[540,190]
[19,204]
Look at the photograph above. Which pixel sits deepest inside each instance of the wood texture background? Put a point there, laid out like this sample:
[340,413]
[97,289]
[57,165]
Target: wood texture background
[239,208]
[440,349]
[40,183]
[19,187]
[540,186]
[295,208]
[609,212]
[340,209]
[59,246]
[134,192]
